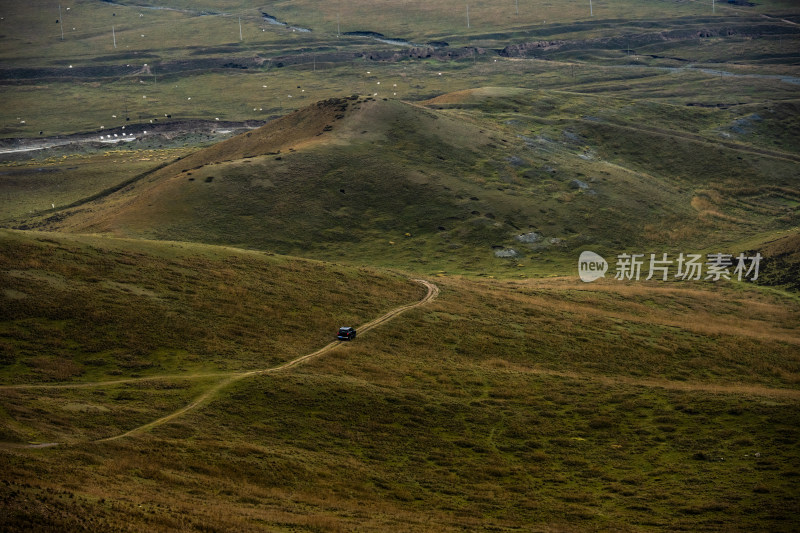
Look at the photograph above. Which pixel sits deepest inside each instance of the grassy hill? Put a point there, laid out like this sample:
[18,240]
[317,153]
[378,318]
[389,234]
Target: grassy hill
[89,308]
[546,404]
[152,292]
[531,176]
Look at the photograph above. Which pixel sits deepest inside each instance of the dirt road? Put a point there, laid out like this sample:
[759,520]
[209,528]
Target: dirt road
[433,291]
[228,378]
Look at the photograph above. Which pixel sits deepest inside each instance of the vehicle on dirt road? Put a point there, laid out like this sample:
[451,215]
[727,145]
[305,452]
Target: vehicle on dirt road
[346,334]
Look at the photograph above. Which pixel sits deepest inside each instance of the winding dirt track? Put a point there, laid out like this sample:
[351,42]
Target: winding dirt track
[433,292]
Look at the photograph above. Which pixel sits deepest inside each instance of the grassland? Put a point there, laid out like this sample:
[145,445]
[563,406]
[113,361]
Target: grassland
[27,187]
[88,280]
[188,65]
[521,398]
[443,187]
[186,29]
[266,92]
[613,407]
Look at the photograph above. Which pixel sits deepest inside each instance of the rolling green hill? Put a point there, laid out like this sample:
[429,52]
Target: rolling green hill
[89,308]
[489,180]
[168,304]
[535,404]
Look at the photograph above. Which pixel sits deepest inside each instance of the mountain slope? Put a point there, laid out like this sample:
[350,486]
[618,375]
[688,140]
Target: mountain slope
[600,400]
[479,180]
[92,308]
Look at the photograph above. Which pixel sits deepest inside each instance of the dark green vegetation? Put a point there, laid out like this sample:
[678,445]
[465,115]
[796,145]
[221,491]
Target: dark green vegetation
[30,187]
[617,407]
[93,308]
[540,175]
[520,398]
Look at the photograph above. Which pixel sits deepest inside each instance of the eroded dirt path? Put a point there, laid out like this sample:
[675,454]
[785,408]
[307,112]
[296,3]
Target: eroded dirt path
[228,378]
[433,292]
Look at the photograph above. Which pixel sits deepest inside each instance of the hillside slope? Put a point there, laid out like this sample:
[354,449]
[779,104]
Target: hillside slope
[502,405]
[483,179]
[90,308]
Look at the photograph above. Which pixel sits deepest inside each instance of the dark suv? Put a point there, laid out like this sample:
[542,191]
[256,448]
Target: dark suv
[346,334]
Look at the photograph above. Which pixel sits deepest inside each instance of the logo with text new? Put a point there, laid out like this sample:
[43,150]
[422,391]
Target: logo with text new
[591,266]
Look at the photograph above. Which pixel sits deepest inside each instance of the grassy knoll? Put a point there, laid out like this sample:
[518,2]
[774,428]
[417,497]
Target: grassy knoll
[501,405]
[88,309]
[448,185]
